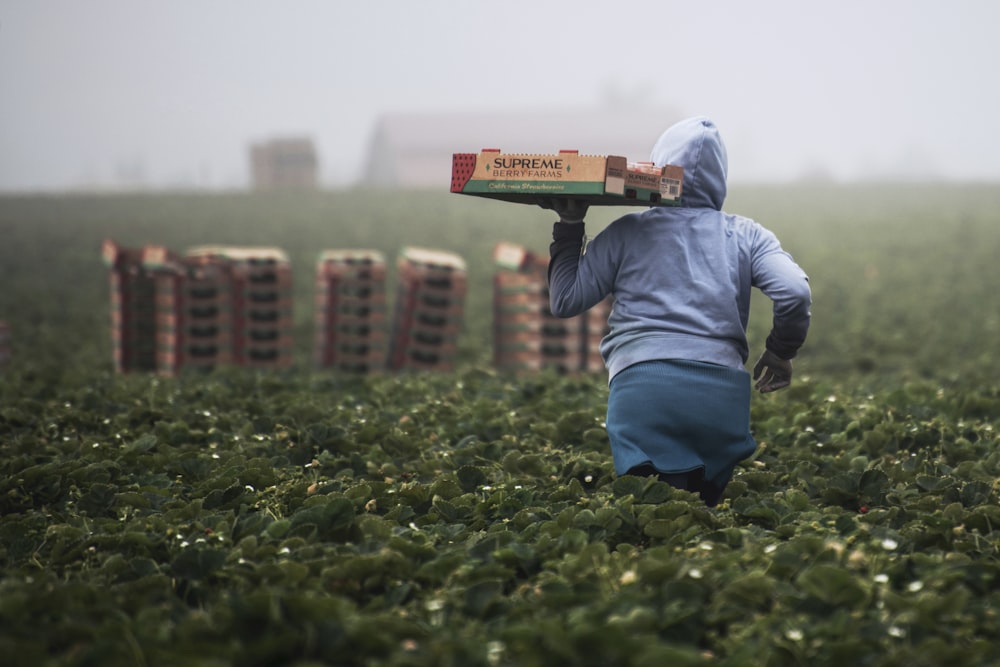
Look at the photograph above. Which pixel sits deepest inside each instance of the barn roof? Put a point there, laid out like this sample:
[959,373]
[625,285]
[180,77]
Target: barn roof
[415,149]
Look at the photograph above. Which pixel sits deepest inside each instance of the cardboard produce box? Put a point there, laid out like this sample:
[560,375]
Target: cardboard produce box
[429,312]
[350,320]
[601,180]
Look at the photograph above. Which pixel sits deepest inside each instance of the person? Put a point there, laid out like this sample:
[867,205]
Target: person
[676,349]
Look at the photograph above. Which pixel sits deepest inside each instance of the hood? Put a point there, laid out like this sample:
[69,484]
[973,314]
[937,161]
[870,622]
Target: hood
[696,145]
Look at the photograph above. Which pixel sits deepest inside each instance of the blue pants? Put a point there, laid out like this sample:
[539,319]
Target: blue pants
[681,418]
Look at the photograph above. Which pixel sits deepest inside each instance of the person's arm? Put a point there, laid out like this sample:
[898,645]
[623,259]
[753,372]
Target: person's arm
[572,287]
[777,275]
[564,267]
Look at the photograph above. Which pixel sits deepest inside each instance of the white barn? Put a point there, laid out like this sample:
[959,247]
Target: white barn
[414,150]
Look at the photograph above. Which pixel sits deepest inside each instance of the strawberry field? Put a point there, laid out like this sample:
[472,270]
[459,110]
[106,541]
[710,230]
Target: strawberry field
[304,517]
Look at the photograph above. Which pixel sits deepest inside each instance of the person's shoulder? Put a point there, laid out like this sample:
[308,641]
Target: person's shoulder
[625,222]
[743,225]
[752,233]
[635,217]
[741,221]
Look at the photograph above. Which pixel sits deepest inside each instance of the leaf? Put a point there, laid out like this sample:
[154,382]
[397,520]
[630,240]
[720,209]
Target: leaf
[873,484]
[660,565]
[660,528]
[144,443]
[518,554]
[752,591]
[224,498]
[98,500]
[657,492]
[628,485]
[834,585]
[481,596]
[132,499]
[332,519]
[274,529]
[470,478]
[984,518]
[484,548]
[933,483]
[758,480]
[841,489]
[437,571]
[572,540]
[446,510]
[975,493]
[446,489]
[760,512]
[249,523]
[193,468]
[197,564]
[731,537]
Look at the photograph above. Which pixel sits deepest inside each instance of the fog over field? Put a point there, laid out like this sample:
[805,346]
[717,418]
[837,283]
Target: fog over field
[119,94]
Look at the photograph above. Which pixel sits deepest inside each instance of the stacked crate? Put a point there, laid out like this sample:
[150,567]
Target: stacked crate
[526,335]
[213,306]
[350,311]
[260,303]
[193,315]
[4,343]
[133,324]
[595,323]
[429,310]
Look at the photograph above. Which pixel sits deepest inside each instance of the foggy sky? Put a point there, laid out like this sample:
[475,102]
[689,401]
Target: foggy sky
[104,93]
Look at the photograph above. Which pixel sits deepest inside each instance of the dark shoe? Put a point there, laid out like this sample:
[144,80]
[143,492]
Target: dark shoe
[711,494]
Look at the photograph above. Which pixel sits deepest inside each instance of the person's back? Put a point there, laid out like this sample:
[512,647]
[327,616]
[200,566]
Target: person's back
[681,276]
[681,279]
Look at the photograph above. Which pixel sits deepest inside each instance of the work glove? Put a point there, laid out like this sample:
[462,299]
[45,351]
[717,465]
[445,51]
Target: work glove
[568,210]
[771,372]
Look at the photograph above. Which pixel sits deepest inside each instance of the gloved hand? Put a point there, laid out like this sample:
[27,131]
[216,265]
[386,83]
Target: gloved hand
[772,372]
[568,209]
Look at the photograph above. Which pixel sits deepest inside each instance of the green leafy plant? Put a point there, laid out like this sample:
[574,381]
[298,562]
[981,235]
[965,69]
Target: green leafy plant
[472,518]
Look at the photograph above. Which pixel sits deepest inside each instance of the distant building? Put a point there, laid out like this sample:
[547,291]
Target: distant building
[284,164]
[414,150]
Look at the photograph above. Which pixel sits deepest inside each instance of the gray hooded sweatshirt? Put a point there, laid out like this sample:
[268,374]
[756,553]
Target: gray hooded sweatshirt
[681,276]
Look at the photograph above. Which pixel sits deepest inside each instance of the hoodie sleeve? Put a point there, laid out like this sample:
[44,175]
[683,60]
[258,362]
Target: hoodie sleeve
[777,275]
[572,287]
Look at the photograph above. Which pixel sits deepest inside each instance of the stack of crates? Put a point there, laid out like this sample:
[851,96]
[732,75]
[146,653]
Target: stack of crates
[350,311]
[193,315]
[4,343]
[261,302]
[595,323]
[429,311]
[133,315]
[526,335]
[213,306]
[595,327]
